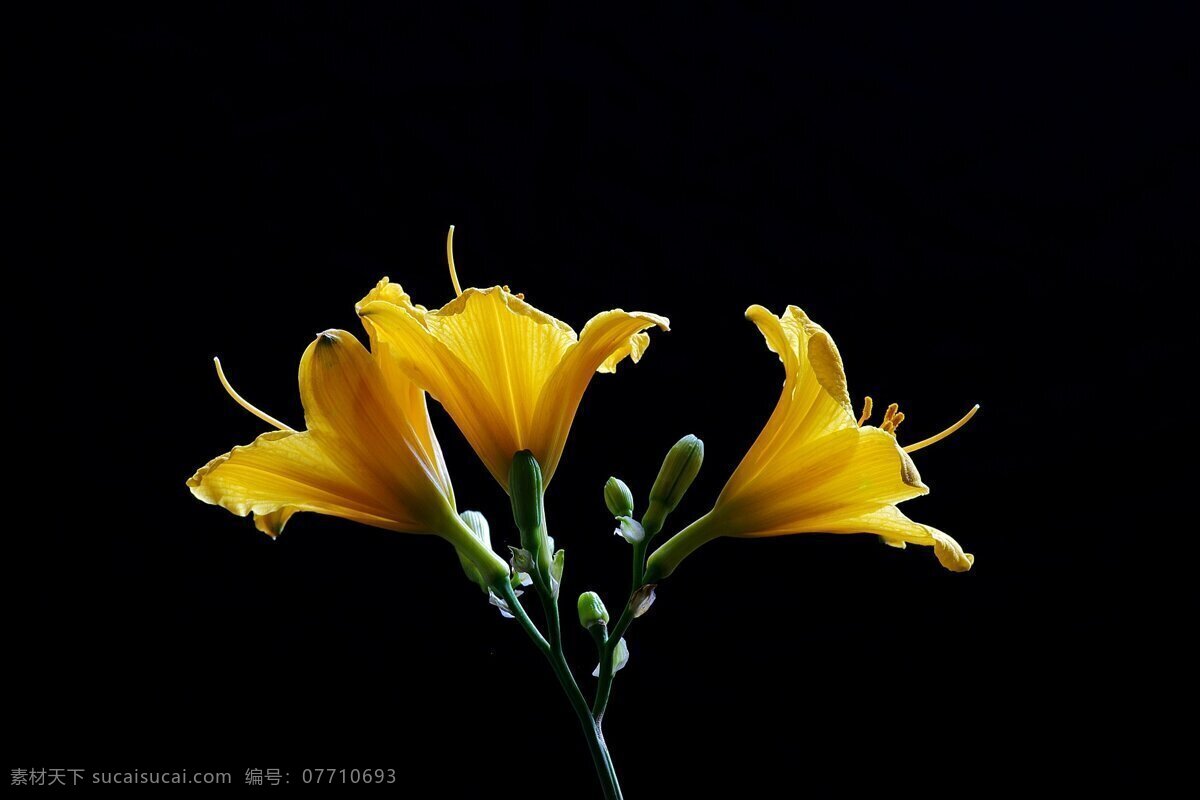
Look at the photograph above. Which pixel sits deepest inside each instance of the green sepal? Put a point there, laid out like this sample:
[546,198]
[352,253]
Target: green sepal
[556,571]
[620,658]
[630,530]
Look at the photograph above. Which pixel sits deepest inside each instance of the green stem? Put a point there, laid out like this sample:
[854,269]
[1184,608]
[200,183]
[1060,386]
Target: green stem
[518,611]
[639,563]
[607,656]
[553,651]
[608,652]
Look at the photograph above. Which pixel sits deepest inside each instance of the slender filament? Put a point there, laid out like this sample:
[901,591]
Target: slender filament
[450,261]
[912,448]
[241,401]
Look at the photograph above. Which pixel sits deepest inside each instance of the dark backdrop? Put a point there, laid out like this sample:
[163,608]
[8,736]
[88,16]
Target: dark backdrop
[981,206]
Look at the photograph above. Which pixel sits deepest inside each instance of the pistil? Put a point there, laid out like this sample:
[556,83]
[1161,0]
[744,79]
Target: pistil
[450,261]
[241,401]
[912,448]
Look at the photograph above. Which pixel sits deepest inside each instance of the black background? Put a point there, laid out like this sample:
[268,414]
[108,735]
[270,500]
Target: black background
[980,206]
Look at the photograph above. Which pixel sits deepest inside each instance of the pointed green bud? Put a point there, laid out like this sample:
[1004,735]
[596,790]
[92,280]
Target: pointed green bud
[525,491]
[678,471]
[477,524]
[592,610]
[618,498]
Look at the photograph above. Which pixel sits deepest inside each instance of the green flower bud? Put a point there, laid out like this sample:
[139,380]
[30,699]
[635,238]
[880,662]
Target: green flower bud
[592,610]
[678,471]
[618,498]
[525,491]
[477,524]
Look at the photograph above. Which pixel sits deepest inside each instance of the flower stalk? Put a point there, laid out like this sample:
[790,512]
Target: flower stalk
[527,496]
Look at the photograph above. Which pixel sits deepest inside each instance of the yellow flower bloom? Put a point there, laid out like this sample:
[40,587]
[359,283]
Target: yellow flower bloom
[369,454]
[815,468]
[509,375]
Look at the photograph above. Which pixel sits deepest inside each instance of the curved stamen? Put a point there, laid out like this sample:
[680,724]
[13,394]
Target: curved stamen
[912,448]
[241,401]
[868,404]
[887,417]
[450,261]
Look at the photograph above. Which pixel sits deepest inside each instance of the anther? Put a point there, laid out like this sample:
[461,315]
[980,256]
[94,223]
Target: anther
[866,412]
[888,425]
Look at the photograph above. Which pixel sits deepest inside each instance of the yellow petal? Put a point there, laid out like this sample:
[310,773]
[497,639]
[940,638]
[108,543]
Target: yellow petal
[798,490]
[406,395]
[389,292]
[282,472]
[890,523]
[814,402]
[887,522]
[606,340]
[352,416]
[511,347]
[950,553]
[486,413]
[611,336]
[509,375]
[272,524]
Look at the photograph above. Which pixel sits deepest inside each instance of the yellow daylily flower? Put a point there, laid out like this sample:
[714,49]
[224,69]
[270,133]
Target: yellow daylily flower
[369,454]
[815,467]
[509,375]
